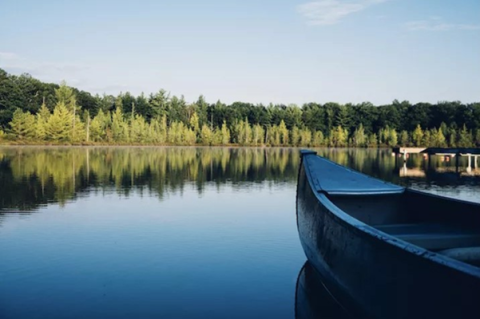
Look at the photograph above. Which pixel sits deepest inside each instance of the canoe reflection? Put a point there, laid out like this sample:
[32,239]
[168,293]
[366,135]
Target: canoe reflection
[313,300]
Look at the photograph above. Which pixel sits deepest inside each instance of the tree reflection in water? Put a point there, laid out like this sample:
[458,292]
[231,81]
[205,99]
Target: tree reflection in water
[33,176]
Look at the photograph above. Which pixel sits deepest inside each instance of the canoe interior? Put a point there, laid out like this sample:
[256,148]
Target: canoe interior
[431,222]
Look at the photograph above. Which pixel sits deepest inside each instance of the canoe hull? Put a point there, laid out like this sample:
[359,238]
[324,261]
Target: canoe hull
[371,274]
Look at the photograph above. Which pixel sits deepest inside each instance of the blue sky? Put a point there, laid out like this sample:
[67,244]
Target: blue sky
[254,51]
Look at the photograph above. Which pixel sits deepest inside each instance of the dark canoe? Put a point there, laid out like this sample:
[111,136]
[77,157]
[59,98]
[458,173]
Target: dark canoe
[388,251]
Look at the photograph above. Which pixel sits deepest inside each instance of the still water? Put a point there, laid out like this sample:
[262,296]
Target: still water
[130,232]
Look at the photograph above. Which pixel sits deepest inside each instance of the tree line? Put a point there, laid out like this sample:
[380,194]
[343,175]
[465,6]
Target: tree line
[35,112]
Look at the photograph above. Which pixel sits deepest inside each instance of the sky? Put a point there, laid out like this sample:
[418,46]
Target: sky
[257,51]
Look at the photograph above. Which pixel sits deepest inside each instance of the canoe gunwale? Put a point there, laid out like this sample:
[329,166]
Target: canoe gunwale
[372,233]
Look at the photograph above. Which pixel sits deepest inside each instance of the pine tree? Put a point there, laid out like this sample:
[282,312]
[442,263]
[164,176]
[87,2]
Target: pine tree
[176,132]
[359,137]
[78,132]
[206,136]
[339,137]
[392,138]
[244,132]
[427,138]
[464,138]
[225,134]
[41,122]
[98,127]
[194,122]
[23,125]
[305,137]
[66,96]
[138,130]
[157,133]
[119,127]
[295,136]
[417,136]
[440,139]
[59,125]
[283,133]
[190,137]
[372,140]
[318,139]
[258,134]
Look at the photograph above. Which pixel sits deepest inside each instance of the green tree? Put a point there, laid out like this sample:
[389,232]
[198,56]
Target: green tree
[452,137]
[244,132]
[427,138]
[258,134]
[66,96]
[120,130]
[158,130]
[283,133]
[194,124]
[393,138]
[159,104]
[295,136]
[98,127]
[139,130]
[404,138]
[224,134]
[338,137]
[59,125]
[417,136]
[318,139]
[207,136]
[189,136]
[440,140]
[305,137]
[464,138]
[359,137]
[78,133]
[372,140]
[273,136]
[23,125]
[41,122]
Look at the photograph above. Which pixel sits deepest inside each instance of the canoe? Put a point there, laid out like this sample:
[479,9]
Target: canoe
[386,250]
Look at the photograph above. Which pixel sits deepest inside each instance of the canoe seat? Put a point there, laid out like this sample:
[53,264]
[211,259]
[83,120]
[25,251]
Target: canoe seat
[469,255]
[433,236]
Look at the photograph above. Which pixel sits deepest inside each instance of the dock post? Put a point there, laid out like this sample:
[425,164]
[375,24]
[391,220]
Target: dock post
[469,166]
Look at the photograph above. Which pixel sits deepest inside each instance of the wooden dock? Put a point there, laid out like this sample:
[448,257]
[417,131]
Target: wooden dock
[454,152]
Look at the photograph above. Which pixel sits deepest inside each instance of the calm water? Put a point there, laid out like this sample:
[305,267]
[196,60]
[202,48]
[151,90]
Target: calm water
[172,232]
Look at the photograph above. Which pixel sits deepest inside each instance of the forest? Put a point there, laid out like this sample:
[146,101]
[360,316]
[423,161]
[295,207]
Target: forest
[34,112]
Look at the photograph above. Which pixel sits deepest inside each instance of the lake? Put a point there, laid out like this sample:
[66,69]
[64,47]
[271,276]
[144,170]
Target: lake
[145,232]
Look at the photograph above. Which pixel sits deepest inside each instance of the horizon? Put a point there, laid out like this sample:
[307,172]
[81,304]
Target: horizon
[377,51]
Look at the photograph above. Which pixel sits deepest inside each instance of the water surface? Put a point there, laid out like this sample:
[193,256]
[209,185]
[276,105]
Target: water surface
[139,232]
